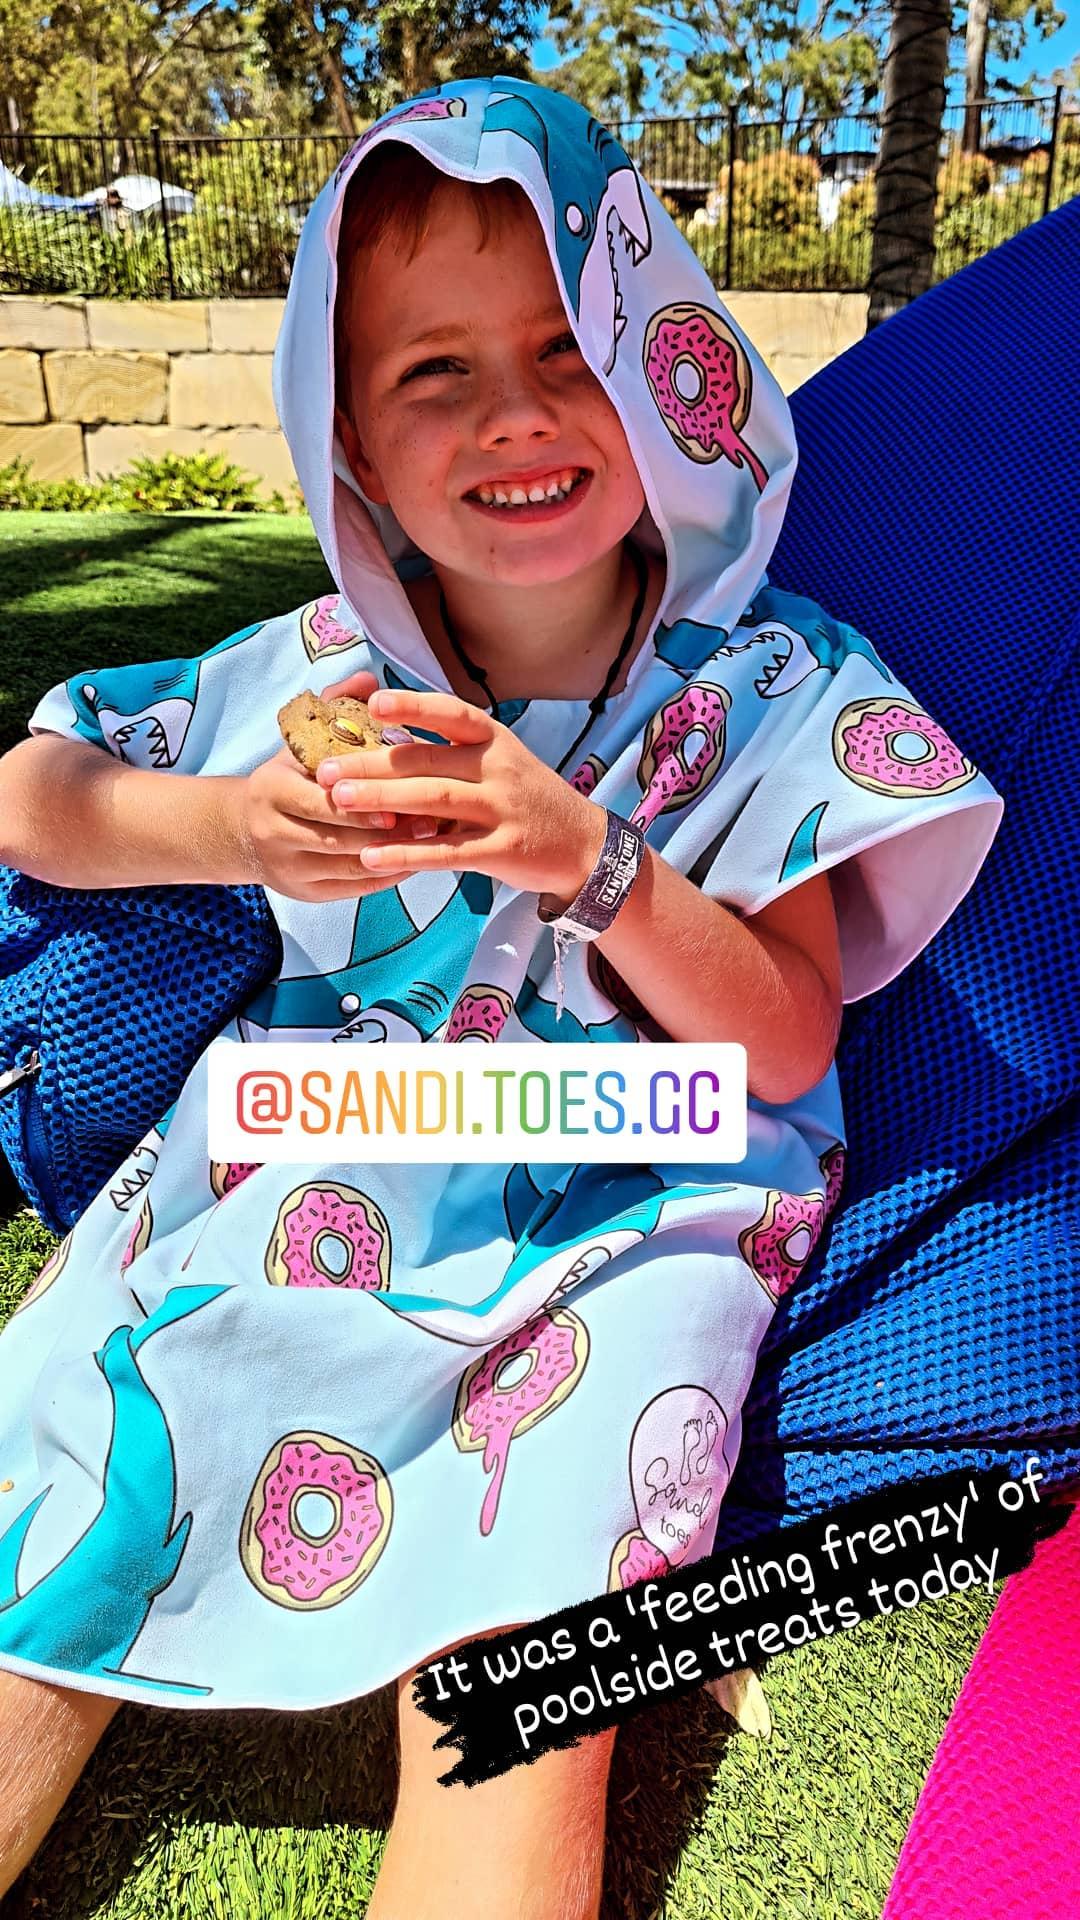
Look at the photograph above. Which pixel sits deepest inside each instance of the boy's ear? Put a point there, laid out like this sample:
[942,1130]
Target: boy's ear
[358,461]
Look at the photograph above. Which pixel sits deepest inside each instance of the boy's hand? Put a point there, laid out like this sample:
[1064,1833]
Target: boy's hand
[518,820]
[299,843]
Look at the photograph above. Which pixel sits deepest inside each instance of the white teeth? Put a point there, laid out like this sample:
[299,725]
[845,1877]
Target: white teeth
[538,494]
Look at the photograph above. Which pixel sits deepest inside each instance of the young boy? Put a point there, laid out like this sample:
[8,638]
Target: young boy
[548,499]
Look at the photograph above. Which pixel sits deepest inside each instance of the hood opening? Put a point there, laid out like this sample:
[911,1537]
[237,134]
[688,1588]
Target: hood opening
[706,422]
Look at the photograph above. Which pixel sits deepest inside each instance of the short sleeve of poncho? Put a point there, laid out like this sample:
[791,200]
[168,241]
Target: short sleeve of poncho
[849,775]
[215,713]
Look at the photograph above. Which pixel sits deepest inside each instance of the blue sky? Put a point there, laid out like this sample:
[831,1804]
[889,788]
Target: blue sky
[1042,57]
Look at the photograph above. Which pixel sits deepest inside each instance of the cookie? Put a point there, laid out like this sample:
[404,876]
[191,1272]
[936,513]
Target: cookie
[314,729]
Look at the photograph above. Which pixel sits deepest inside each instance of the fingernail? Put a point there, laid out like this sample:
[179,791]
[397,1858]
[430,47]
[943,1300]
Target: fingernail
[330,769]
[344,792]
[424,829]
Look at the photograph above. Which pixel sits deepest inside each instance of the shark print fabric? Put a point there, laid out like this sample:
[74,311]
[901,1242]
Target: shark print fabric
[269,1434]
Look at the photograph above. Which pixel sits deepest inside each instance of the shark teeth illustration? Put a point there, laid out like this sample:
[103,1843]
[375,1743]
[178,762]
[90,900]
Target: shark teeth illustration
[356,1028]
[156,739]
[772,671]
[624,202]
[130,1187]
[152,738]
[620,316]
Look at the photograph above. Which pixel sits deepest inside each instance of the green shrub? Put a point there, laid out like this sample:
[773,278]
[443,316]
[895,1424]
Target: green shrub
[173,483]
[963,180]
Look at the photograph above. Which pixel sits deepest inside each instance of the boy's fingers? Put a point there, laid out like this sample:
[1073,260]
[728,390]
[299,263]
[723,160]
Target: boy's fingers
[357,686]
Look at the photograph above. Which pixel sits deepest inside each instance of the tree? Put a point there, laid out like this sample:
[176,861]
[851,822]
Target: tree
[978,23]
[120,64]
[753,53]
[902,260]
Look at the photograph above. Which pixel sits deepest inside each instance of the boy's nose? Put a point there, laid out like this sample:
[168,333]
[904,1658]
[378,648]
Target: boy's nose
[516,404]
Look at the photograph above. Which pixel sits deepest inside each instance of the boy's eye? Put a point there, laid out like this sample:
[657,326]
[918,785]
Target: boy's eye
[432,366]
[426,366]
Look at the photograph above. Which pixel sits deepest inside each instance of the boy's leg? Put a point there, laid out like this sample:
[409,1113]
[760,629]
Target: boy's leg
[47,1735]
[527,1845]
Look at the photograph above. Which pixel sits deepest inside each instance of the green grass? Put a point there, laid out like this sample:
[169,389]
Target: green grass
[263,1816]
[94,590]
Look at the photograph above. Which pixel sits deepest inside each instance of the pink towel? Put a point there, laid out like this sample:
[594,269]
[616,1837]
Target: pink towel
[996,1832]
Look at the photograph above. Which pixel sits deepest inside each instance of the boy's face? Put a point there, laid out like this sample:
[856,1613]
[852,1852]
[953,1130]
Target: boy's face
[436,420]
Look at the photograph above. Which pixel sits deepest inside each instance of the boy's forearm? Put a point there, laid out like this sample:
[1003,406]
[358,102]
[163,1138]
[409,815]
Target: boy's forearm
[72,815]
[704,976]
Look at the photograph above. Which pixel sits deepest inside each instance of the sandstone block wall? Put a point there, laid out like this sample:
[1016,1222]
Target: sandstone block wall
[87,386]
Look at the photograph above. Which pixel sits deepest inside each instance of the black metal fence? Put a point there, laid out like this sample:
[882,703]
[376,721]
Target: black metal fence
[776,204]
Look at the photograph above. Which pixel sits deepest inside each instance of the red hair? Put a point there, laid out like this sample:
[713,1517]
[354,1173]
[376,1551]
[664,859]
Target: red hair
[398,200]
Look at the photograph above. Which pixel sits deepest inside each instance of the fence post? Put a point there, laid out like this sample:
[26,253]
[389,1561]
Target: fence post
[729,238]
[1053,152]
[164,209]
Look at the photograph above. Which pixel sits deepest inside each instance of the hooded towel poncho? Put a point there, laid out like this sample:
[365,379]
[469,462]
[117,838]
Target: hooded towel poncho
[275,1434]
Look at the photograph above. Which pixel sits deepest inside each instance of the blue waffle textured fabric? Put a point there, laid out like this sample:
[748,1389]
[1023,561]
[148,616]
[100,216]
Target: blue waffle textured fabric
[938,1323]
[118,991]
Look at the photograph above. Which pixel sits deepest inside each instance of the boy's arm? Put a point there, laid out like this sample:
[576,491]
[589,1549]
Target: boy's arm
[772,981]
[73,816]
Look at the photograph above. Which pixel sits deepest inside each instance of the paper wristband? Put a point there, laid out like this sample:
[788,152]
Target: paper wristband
[602,896]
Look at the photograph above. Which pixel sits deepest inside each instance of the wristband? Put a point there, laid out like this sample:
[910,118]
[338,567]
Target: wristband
[602,896]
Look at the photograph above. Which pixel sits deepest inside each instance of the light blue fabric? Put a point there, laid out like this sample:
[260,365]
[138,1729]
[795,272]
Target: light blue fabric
[542,1397]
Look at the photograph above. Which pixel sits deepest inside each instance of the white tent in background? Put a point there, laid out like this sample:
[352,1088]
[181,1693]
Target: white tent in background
[140,193]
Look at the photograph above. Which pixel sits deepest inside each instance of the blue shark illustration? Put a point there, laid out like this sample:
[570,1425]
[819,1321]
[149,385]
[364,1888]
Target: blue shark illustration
[541,1018]
[86,1613]
[400,980]
[689,645]
[631,1197]
[796,651]
[142,713]
[802,848]
[587,189]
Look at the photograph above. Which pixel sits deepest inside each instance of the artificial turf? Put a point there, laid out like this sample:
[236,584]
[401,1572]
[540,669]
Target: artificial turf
[192,1815]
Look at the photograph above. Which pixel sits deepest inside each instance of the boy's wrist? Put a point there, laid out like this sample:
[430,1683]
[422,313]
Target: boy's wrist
[224,853]
[581,847]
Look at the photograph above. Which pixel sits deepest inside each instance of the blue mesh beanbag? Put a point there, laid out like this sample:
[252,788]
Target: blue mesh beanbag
[938,1323]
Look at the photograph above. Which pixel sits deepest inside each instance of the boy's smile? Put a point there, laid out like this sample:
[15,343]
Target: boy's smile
[478,420]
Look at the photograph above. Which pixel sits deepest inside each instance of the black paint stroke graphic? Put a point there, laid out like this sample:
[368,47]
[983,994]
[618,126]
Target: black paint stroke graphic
[506,1700]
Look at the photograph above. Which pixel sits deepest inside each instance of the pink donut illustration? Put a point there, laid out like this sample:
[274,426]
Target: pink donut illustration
[285,1557]
[588,774]
[668,779]
[139,1238]
[699,375]
[634,1558]
[225,1175]
[891,746]
[453,106]
[51,1270]
[779,1244]
[479,1013]
[329,1235]
[832,1163]
[492,1410]
[321,632]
